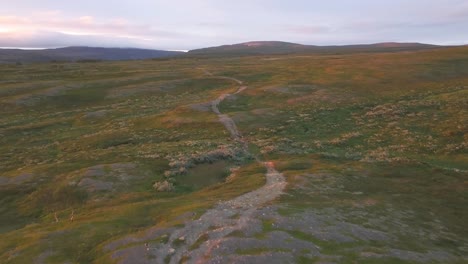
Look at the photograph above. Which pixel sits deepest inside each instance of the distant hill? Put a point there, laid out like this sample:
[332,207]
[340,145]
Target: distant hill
[81,54]
[241,49]
[278,47]
[254,47]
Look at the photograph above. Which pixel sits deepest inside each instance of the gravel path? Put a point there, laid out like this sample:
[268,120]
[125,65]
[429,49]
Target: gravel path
[227,216]
[195,241]
[225,119]
[215,224]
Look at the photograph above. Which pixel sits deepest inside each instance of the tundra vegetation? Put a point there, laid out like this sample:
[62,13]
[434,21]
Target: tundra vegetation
[373,147]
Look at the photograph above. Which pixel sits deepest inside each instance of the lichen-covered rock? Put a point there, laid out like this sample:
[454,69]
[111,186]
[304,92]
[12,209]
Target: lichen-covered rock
[163,186]
[92,185]
[17,180]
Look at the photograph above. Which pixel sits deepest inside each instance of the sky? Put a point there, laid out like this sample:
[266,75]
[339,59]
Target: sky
[191,24]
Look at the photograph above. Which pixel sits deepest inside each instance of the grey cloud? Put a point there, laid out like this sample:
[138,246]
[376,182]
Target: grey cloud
[307,30]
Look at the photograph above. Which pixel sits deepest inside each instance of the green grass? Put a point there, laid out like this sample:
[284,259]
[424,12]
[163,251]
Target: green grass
[391,126]
[256,251]
[199,242]
[204,175]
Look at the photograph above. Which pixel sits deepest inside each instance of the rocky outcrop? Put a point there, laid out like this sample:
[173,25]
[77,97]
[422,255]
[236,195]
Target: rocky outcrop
[163,186]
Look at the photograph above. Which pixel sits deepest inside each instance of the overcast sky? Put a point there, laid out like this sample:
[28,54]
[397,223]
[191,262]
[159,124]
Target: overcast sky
[189,24]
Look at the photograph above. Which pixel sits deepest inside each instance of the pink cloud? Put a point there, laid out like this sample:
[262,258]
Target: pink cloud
[53,29]
[87,20]
[6,21]
[82,25]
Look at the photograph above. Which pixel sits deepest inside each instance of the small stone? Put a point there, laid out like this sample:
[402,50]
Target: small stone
[182,238]
[171,251]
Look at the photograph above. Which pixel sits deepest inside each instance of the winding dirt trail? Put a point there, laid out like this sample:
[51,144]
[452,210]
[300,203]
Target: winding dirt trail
[228,216]
[216,223]
[228,123]
[194,242]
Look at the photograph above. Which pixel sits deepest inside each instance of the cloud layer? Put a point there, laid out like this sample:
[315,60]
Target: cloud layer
[198,23]
[57,30]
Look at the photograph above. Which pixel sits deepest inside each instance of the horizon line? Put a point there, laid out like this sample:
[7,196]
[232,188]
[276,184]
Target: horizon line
[187,50]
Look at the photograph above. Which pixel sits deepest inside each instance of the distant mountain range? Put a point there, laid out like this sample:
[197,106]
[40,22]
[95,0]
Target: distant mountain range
[279,47]
[242,49]
[81,54]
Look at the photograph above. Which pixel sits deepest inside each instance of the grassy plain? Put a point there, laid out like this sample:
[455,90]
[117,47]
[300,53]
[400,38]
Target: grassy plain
[379,138]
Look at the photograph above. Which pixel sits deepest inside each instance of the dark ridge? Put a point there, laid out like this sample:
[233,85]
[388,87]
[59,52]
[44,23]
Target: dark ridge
[81,54]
